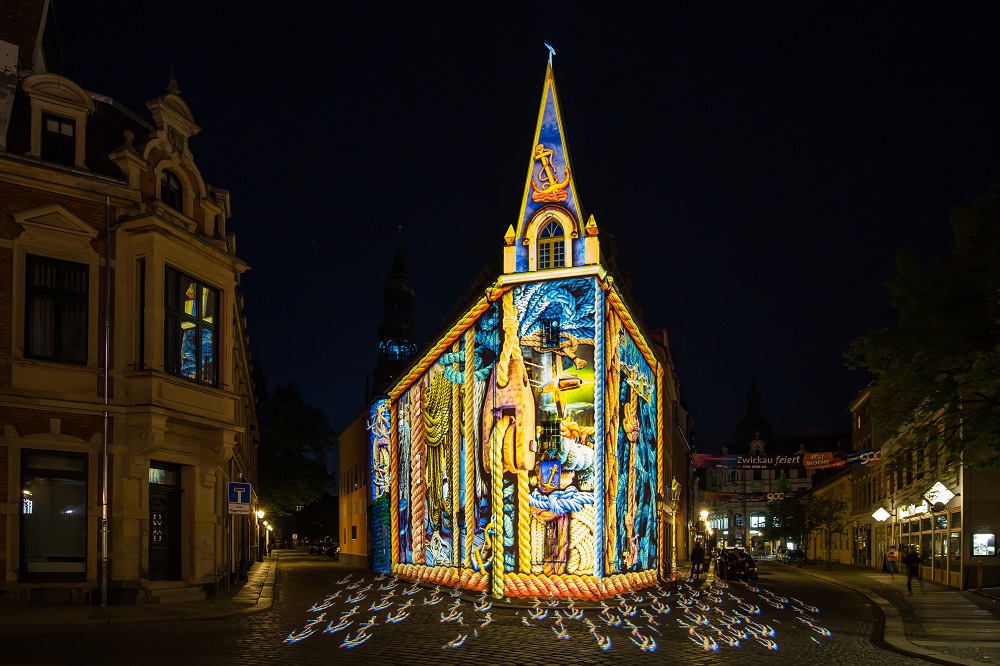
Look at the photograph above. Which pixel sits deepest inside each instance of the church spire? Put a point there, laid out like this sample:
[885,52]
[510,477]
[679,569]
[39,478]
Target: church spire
[397,334]
[551,216]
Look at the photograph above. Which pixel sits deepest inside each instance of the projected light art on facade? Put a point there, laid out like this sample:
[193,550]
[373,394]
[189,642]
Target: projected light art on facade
[523,453]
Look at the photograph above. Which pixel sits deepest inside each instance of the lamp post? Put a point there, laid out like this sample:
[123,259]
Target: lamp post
[260,517]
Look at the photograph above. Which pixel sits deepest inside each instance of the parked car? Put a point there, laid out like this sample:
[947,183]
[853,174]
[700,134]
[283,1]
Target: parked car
[735,564]
[793,557]
[321,547]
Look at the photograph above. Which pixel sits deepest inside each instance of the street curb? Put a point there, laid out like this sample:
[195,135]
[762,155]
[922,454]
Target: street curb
[893,628]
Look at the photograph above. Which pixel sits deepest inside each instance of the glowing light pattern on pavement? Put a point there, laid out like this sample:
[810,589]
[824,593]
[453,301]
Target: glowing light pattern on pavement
[719,616]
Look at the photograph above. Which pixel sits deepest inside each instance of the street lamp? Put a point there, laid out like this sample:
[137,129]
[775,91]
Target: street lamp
[260,517]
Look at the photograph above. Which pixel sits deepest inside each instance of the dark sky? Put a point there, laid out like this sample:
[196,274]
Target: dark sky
[759,166]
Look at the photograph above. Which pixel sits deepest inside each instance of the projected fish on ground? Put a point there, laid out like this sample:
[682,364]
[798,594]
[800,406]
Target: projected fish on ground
[718,615]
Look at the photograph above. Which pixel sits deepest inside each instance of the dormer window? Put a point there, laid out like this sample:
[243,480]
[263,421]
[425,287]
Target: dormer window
[171,191]
[551,246]
[58,140]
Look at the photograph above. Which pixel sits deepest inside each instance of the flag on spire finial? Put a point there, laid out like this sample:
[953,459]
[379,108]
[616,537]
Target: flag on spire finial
[552,52]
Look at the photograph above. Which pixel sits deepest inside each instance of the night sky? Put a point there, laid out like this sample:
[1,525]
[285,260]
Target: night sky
[758,166]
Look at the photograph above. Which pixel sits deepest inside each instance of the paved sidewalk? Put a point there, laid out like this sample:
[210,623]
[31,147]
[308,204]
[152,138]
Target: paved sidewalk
[935,622]
[250,596]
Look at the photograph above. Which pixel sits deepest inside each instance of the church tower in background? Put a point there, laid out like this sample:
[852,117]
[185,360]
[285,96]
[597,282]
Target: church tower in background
[397,334]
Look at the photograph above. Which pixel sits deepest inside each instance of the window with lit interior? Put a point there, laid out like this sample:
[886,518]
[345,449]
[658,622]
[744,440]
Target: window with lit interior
[551,247]
[190,328]
[55,310]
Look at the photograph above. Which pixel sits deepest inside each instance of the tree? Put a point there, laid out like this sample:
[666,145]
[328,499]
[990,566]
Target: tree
[828,515]
[293,441]
[937,370]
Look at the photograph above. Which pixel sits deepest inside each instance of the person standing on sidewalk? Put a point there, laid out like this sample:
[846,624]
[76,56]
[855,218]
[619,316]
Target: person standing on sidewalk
[891,558]
[697,560]
[912,562]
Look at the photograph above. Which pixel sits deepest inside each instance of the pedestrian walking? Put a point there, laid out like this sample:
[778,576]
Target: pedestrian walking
[891,558]
[912,562]
[697,560]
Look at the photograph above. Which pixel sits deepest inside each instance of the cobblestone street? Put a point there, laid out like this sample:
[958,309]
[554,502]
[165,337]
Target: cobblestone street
[692,631]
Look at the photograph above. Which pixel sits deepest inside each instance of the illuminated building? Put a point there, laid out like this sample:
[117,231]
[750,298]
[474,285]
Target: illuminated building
[524,451]
[949,516]
[735,496]
[119,458]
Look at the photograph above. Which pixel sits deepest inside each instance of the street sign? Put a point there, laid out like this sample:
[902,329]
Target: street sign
[239,498]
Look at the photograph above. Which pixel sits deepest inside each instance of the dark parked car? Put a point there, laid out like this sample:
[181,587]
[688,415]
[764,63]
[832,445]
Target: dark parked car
[735,564]
[328,548]
[793,557]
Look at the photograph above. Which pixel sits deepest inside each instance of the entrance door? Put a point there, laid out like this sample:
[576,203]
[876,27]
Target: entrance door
[164,533]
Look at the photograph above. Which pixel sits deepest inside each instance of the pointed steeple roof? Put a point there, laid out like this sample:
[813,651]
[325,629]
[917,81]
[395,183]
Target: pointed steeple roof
[550,177]
[550,187]
[397,333]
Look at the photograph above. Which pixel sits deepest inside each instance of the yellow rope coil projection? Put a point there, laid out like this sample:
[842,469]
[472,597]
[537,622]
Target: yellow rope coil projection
[523,523]
[437,422]
[453,475]
[496,503]
[581,541]
[526,586]
[469,430]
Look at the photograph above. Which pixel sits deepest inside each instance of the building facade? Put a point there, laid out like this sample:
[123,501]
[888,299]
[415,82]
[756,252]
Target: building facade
[735,487]
[525,451]
[950,519]
[125,397]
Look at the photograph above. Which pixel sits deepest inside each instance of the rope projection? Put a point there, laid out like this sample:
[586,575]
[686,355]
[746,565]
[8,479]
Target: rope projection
[612,377]
[530,585]
[437,423]
[599,429]
[405,499]
[527,462]
[636,447]
[417,476]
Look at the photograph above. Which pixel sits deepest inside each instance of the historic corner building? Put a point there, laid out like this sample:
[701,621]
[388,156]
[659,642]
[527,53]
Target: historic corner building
[125,397]
[951,519]
[523,453]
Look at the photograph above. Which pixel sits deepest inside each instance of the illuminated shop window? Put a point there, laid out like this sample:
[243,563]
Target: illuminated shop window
[190,335]
[171,191]
[55,310]
[53,515]
[551,248]
[758,521]
[58,140]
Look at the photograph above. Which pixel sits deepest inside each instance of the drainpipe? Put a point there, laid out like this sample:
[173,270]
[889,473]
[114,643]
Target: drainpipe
[107,369]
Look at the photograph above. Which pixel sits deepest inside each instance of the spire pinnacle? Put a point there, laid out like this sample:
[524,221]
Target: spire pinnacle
[552,52]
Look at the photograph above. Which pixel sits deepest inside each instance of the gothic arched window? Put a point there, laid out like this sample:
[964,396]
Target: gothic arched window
[551,246]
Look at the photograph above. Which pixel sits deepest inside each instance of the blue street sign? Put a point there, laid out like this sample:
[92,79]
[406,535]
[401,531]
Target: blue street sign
[239,493]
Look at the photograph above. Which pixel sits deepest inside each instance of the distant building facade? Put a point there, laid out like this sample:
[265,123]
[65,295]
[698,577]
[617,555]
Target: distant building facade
[734,499]
[125,397]
[951,518]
